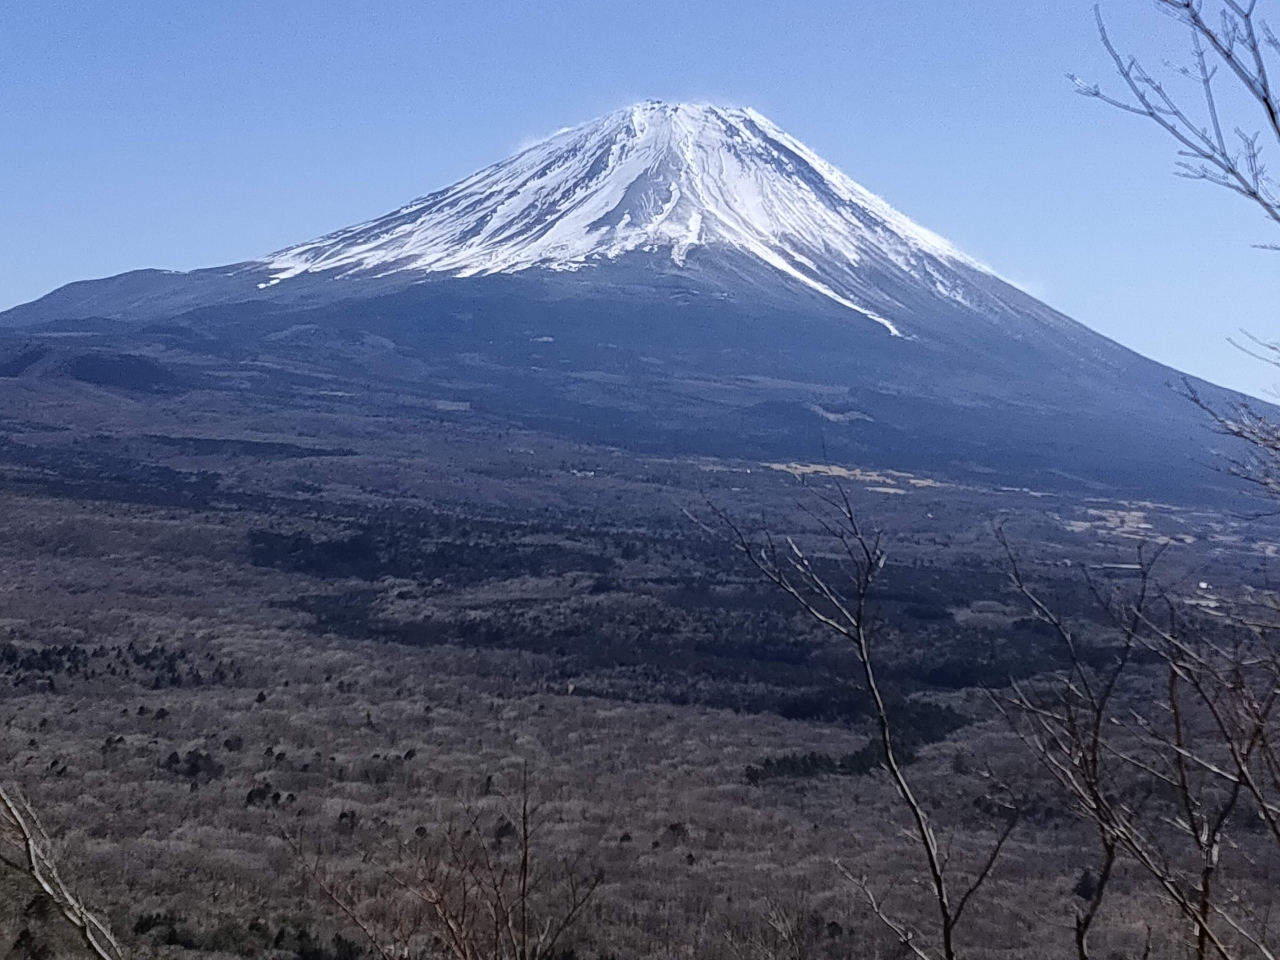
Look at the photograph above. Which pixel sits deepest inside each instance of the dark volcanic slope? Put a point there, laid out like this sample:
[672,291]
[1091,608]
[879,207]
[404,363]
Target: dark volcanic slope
[669,364]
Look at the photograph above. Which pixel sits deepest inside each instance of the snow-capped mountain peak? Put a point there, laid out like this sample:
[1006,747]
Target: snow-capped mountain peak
[654,177]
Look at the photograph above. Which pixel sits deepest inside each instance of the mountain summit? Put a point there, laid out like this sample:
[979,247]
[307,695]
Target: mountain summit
[654,177]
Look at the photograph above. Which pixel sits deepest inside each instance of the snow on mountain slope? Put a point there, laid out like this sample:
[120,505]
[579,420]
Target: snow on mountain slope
[652,177]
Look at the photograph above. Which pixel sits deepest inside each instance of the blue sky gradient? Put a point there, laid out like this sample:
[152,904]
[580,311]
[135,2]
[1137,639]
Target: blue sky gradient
[140,133]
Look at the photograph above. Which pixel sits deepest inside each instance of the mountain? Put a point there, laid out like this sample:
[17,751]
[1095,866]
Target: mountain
[678,278]
[654,177]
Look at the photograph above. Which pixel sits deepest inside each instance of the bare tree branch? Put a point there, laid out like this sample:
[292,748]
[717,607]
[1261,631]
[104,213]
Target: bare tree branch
[19,820]
[844,609]
[1202,746]
[481,900]
[1240,43]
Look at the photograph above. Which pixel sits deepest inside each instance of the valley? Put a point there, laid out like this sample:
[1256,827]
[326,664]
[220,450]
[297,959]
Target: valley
[222,618]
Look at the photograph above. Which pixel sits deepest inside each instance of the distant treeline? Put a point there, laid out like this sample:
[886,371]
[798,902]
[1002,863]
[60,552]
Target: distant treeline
[794,766]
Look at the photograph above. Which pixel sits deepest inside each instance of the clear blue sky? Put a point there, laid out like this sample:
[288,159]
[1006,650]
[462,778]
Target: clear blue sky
[145,133]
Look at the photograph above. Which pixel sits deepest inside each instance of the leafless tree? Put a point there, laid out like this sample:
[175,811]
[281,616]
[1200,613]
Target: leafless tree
[1199,747]
[1166,742]
[840,601]
[480,888]
[20,828]
[785,933]
[1163,730]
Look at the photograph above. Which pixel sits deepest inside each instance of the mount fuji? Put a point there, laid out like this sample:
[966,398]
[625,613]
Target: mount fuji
[654,177]
[671,277]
